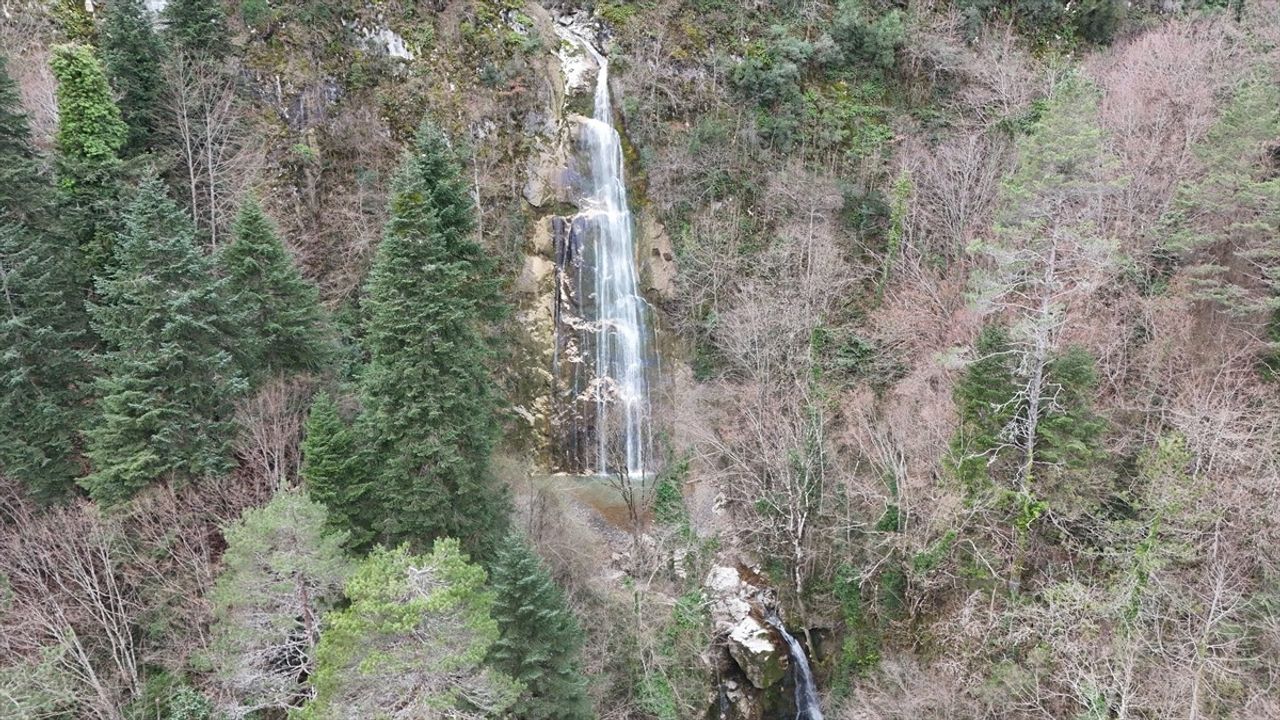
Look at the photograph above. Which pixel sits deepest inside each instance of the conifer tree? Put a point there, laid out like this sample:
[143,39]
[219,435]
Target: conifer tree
[282,326]
[197,27]
[88,141]
[414,638]
[165,408]
[334,470]
[984,398]
[428,396]
[44,332]
[280,571]
[540,638]
[132,51]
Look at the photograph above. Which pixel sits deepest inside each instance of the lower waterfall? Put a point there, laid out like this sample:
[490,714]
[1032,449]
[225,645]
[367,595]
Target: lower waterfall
[807,705]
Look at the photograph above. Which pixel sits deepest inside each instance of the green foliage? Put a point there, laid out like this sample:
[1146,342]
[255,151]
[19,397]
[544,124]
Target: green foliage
[257,14]
[672,678]
[280,570]
[90,130]
[1229,217]
[848,117]
[166,399]
[44,329]
[1050,21]
[132,52]
[931,557]
[540,639]
[164,696]
[283,329]
[984,398]
[866,41]
[197,27]
[616,12]
[897,221]
[668,498]
[860,649]
[415,636]
[1070,432]
[1067,434]
[39,688]
[74,20]
[90,136]
[430,403]
[335,472]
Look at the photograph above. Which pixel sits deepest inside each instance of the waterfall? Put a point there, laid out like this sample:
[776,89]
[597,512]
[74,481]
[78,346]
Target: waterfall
[807,705]
[616,314]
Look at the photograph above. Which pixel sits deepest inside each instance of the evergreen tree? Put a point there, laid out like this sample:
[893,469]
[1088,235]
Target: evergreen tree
[334,470]
[165,411]
[1223,224]
[540,638]
[983,397]
[89,138]
[132,51]
[44,375]
[429,400]
[283,327]
[280,571]
[414,637]
[198,27]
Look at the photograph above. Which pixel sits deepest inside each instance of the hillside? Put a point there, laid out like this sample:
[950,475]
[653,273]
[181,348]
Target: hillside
[658,360]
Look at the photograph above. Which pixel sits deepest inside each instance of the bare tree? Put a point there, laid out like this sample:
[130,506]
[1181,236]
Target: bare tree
[270,430]
[218,156]
[66,592]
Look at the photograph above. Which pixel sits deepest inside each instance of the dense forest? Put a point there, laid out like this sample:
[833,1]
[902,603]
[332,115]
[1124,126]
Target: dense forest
[655,360]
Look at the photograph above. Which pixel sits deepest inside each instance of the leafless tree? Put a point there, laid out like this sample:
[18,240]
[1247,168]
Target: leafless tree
[218,156]
[270,430]
[66,592]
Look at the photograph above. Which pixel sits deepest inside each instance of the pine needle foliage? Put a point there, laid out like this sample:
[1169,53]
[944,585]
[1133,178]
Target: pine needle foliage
[333,468]
[414,637]
[44,330]
[283,329]
[430,404]
[166,399]
[541,640]
[90,136]
[133,52]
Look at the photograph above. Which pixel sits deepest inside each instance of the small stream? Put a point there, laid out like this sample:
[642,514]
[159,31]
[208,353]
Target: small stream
[807,705]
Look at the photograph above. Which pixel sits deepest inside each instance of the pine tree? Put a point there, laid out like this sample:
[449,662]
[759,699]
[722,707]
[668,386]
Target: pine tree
[334,470]
[984,397]
[44,332]
[414,637]
[428,396]
[540,638]
[133,52]
[165,411]
[89,138]
[280,571]
[283,328]
[197,27]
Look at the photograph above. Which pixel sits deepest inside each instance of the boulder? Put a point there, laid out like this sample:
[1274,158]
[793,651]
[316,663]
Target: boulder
[752,647]
[735,602]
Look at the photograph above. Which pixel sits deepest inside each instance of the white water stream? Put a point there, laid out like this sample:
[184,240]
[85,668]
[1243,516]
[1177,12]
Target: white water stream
[807,705]
[616,312]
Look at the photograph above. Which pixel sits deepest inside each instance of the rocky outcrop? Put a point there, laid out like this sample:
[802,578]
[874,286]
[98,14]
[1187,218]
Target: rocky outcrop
[657,259]
[736,603]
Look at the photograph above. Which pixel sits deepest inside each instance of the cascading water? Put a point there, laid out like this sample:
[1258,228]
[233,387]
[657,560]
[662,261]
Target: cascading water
[807,705]
[615,314]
